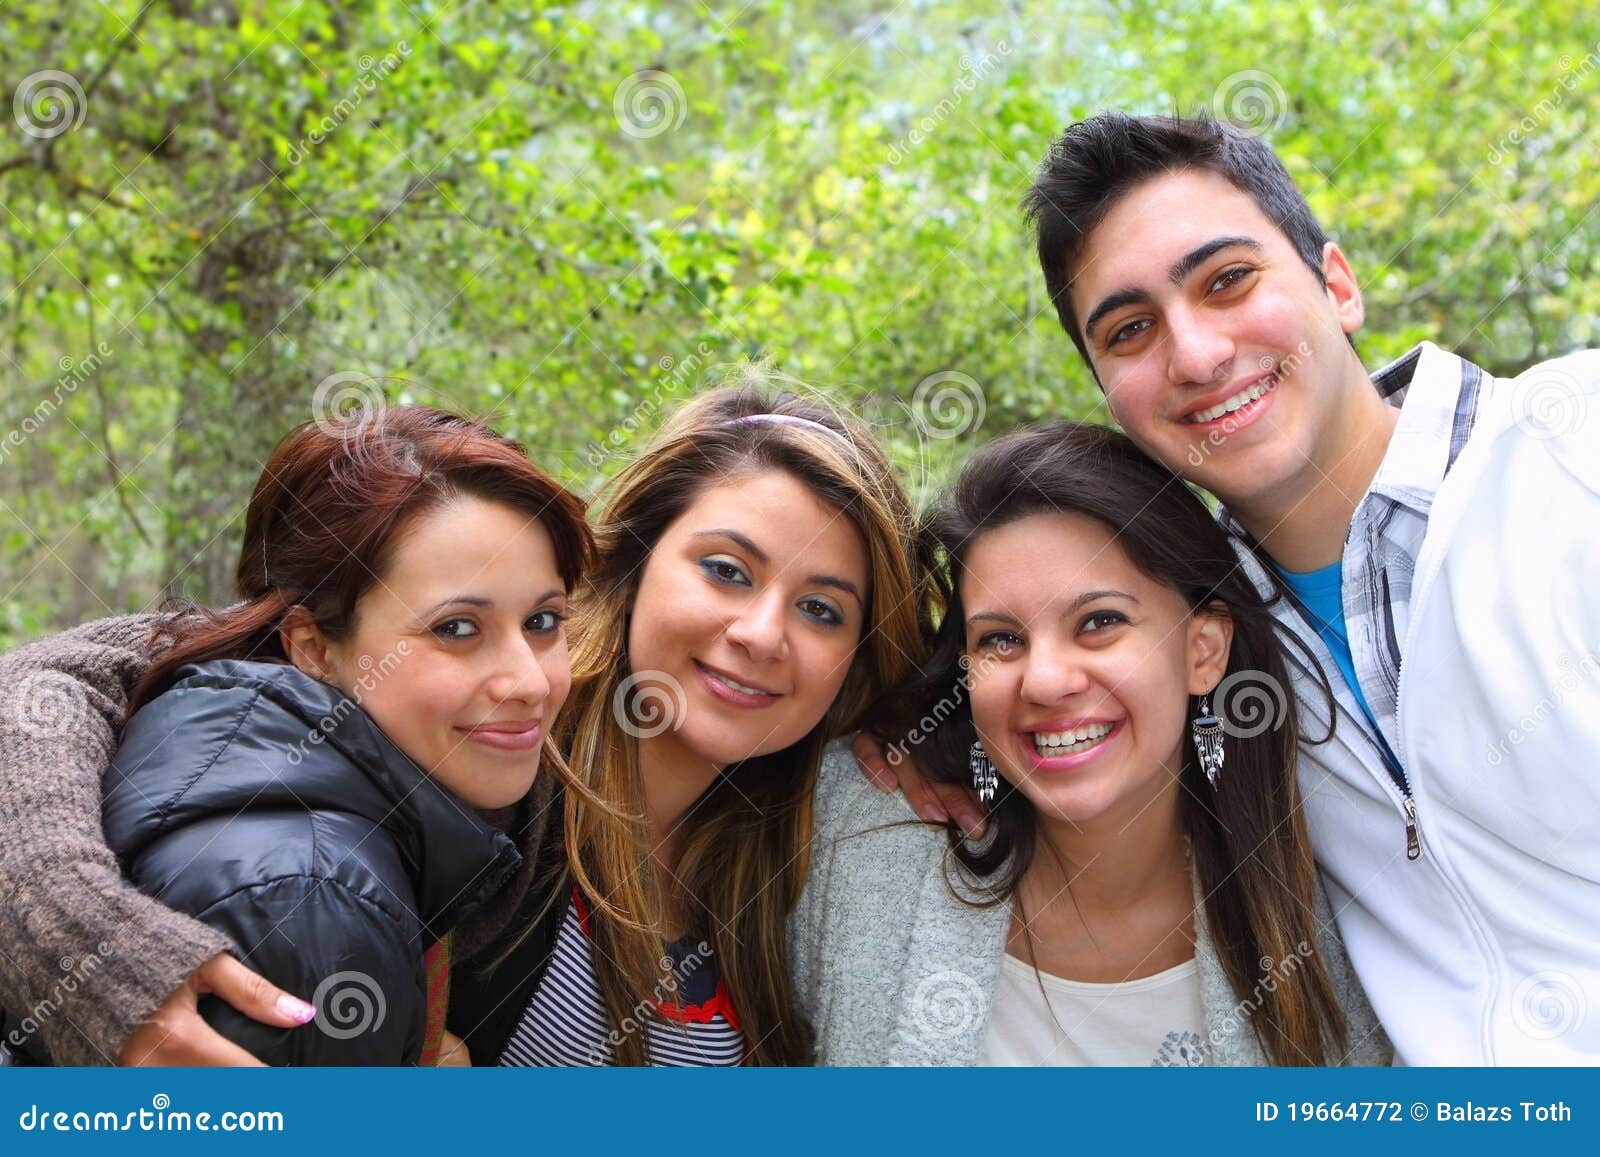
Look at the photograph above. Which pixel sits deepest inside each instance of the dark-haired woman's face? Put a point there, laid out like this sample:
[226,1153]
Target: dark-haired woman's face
[459,652]
[746,620]
[1081,667]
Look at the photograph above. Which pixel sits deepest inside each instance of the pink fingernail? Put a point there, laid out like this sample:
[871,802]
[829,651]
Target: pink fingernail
[297,1009]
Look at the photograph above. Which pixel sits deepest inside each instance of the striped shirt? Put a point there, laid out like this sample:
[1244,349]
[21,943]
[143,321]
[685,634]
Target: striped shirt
[565,1021]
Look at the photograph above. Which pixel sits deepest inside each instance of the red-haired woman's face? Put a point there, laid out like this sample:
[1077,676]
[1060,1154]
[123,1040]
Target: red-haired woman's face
[459,651]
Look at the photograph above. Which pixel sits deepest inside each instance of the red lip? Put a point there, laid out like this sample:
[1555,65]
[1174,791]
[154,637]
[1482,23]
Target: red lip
[1217,397]
[728,694]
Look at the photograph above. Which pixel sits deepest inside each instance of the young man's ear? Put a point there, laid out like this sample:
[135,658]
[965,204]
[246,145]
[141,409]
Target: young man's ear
[1343,291]
[305,644]
[1210,639]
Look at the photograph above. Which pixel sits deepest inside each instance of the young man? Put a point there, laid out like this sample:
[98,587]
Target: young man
[1437,533]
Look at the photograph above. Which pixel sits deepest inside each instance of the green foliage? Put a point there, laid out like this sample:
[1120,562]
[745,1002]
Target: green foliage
[568,216]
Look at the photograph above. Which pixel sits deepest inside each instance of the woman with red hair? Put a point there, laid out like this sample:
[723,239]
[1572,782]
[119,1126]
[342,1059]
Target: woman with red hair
[312,771]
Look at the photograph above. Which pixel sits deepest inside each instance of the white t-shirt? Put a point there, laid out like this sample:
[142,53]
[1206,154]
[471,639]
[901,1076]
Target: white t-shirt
[1158,1020]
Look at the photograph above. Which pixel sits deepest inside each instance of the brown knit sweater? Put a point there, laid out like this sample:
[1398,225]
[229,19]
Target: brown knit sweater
[85,957]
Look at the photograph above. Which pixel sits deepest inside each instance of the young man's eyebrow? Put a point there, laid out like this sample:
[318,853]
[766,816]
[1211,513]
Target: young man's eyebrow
[1112,302]
[1176,273]
[1192,260]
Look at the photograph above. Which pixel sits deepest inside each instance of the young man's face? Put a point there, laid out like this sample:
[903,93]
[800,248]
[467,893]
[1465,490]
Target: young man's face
[1220,352]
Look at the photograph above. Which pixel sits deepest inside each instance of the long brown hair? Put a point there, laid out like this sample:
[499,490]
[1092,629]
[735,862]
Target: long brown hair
[745,855]
[1252,854]
[323,521]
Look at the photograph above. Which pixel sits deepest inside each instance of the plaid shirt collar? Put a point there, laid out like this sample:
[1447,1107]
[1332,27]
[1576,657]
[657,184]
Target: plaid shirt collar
[1438,395]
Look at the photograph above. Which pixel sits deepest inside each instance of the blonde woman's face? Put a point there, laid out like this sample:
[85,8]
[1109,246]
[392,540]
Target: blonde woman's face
[459,652]
[746,621]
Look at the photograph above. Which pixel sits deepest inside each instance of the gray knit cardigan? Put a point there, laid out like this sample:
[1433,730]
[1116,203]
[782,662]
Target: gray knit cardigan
[892,969]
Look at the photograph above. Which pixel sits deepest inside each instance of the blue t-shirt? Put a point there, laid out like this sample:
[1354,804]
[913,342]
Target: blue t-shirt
[1318,592]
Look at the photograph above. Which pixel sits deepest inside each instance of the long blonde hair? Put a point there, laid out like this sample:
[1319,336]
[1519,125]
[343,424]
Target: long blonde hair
[745,855]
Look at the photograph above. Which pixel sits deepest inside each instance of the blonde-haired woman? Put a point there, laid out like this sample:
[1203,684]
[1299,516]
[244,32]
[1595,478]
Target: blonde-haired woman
[757,588]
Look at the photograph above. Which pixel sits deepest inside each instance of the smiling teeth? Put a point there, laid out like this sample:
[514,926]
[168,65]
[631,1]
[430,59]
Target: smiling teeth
[1070,742]
[1235,402]
[736,686]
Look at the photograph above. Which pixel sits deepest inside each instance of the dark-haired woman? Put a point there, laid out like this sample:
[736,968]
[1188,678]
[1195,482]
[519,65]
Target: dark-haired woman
[1145,893]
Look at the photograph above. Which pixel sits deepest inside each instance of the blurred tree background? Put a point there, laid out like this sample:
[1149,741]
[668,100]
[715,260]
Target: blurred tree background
[219,218]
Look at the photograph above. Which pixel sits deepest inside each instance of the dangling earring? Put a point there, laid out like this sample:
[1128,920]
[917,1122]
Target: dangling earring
[984,779]
[1207,729]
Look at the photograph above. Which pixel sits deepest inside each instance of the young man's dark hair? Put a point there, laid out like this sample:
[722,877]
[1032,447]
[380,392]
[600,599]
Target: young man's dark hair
[1096,161]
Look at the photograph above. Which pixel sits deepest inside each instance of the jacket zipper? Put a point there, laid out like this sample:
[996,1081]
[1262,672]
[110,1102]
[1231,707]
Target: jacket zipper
[1397,775]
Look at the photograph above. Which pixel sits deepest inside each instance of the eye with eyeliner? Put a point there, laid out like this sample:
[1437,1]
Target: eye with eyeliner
[830,616]
[725,571]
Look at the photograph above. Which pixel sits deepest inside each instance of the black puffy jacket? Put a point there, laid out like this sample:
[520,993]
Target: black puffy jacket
[270,806]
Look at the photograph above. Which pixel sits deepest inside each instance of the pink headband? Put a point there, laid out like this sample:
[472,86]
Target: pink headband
[786,420]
